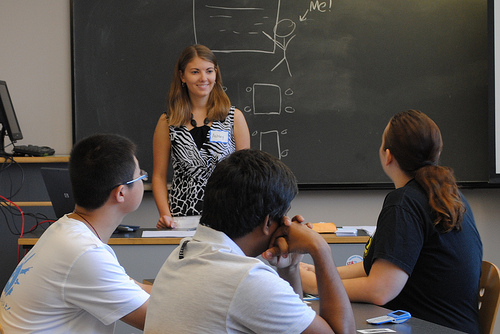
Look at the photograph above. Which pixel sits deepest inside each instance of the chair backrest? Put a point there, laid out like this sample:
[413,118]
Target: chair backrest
[489,296]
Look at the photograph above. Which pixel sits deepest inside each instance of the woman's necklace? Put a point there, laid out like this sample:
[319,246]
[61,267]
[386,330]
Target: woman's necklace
[194,124]
[76,213]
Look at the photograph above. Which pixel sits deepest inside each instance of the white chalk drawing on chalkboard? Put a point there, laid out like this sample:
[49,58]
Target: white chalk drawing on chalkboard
[267,99]
[317,5]
[236,25]
[283,29]
[270,142]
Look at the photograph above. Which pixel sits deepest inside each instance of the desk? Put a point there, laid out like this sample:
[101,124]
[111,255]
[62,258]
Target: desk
[135,238]
[142,258]
[414,325]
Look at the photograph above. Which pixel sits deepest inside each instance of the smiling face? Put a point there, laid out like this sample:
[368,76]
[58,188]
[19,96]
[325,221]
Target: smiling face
[199,77]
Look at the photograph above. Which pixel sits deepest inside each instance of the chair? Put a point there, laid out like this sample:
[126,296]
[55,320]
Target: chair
[489,296]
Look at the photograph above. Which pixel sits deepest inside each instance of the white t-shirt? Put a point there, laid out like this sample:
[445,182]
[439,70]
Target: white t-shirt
[70,282]
[215,288]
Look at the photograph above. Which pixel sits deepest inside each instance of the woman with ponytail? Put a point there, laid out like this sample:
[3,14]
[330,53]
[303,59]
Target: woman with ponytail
[425,256]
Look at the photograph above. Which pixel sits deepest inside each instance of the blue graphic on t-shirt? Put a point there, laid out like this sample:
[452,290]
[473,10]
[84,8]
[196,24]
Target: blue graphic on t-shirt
[19,271]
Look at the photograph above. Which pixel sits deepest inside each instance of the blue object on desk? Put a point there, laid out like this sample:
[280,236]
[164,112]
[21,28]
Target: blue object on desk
[396,317]
[308,297]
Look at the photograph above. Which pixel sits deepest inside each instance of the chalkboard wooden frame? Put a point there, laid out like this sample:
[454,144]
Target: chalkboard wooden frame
[332,92]
[494,110]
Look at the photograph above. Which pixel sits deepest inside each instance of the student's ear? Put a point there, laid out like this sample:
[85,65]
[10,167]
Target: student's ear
[119,193]
[266,226]
[388,157]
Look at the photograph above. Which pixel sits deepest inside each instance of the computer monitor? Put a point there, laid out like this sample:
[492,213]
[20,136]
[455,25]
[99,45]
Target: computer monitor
[8,119]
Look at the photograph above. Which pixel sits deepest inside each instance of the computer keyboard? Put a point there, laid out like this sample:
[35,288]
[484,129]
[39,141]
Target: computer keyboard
[33,150]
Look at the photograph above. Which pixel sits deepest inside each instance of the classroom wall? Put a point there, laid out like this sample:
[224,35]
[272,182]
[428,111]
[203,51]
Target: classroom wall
[35,60]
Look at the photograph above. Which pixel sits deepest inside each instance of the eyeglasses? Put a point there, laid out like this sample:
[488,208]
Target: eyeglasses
[143,176]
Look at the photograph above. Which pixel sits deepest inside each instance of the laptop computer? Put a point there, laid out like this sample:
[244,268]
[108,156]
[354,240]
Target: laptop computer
[58,187]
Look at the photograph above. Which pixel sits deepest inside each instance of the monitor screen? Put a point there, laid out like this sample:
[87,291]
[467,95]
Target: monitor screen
[7,115]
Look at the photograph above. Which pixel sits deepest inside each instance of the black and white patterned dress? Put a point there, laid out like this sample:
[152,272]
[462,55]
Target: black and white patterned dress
[192,166]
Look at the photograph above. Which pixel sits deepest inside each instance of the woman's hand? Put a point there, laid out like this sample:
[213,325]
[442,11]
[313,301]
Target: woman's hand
[165,221]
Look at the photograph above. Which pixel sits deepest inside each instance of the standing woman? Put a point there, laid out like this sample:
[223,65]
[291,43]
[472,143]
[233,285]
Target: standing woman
[425,256]
[199,129]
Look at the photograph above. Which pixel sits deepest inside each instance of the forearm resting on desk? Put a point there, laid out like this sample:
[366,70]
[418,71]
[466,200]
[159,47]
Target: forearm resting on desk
[335,307]
[308,275]
[385,282]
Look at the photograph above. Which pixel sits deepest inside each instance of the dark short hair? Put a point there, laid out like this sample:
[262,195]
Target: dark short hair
[244,188]
[97,164]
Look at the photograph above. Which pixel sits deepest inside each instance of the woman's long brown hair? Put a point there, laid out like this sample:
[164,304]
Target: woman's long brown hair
[179,104]
[415,141]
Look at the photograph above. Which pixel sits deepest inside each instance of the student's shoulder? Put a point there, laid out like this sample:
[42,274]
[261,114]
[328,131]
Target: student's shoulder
[411,192]
[70,234]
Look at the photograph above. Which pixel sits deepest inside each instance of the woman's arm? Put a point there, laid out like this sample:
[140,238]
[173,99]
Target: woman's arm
[308,275]
[241,133]
[383,284]
[161,158]
[354,270]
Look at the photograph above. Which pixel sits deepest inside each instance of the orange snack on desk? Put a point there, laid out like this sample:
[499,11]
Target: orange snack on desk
[324,227]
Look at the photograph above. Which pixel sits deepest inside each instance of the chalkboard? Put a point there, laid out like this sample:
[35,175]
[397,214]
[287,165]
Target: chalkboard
[317,80]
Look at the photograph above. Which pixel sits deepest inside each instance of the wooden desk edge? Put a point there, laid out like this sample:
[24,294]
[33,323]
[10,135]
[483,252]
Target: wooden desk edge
[330,238]
[41,203]
[35,160]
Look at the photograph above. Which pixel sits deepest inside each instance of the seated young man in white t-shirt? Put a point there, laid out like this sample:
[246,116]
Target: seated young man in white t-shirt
[71,281]
[212,283]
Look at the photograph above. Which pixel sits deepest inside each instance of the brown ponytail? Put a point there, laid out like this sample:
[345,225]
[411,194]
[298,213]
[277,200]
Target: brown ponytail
[444,197]
[416,143]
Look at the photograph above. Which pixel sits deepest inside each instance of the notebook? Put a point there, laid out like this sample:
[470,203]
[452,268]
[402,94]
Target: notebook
[58,187]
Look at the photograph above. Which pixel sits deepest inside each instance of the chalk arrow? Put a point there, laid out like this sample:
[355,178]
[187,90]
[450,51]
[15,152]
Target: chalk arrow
[303,17]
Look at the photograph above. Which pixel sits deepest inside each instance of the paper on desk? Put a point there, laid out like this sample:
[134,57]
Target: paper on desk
[367,228]
[346,231]
[174,233]
[370,230]
[190,222]
[185,227]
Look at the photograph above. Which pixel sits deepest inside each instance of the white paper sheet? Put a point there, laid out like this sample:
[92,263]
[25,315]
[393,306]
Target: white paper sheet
[175,233]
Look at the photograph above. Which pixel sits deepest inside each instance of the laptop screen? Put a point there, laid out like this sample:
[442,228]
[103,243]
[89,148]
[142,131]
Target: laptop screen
[58,186]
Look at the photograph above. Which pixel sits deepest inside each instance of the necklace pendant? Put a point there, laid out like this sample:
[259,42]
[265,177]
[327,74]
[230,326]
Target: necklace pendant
[194,124]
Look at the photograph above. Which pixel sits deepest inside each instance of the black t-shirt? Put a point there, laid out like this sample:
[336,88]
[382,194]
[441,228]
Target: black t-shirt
[443,268]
